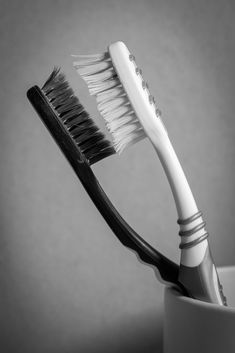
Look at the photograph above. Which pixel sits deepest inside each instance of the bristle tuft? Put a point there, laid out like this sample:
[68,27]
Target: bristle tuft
[112,102]
[90,141]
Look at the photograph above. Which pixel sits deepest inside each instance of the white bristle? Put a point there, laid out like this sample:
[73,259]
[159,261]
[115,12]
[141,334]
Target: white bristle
[91,58]
[125,139]
[119,113]
[94,68]
[108,106]
[104,86]
[116,124]
[112,101]
[110,94]
[96,77]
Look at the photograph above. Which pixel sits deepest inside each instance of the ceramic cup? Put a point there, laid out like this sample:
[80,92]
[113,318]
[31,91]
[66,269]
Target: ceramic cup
[192,326]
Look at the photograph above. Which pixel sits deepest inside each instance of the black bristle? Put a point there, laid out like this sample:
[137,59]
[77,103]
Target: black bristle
[77,122]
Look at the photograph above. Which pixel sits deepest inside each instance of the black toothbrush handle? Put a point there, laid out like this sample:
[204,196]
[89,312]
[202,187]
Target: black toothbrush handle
[167,269]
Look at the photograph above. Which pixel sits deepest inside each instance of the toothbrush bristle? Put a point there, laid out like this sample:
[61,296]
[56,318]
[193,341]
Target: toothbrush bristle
[112,102]
[75,119]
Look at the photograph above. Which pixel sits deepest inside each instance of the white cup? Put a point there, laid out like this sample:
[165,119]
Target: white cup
[193,326]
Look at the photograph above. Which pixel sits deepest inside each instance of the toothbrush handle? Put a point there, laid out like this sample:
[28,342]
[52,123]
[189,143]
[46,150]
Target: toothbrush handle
[202,282]
[168,269]
[197,271]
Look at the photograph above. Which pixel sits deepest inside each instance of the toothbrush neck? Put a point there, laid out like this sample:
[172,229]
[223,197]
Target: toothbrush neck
[184,200]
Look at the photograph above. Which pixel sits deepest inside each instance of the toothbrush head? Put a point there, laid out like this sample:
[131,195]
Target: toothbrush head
[123,97]
[59,106]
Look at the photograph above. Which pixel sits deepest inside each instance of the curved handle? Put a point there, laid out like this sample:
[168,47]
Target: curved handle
[128,237]
[167,269]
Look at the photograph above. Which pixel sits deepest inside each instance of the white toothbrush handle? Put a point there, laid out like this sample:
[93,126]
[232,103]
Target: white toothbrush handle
[184,200]
[197,270]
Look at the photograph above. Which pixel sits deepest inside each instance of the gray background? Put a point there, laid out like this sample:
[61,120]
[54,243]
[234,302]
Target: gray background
[67,285]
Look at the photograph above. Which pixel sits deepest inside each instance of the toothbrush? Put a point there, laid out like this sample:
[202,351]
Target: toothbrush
[83,145]
[130,113]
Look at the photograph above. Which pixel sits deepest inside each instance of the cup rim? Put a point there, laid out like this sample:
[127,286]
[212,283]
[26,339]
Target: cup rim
[178,296]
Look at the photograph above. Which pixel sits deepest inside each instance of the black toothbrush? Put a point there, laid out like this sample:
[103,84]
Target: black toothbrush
[83,145]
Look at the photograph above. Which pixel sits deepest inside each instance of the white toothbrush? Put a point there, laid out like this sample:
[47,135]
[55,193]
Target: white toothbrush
[130,114]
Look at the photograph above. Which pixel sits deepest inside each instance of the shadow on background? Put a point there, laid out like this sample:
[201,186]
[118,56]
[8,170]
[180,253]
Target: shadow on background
[137,334]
